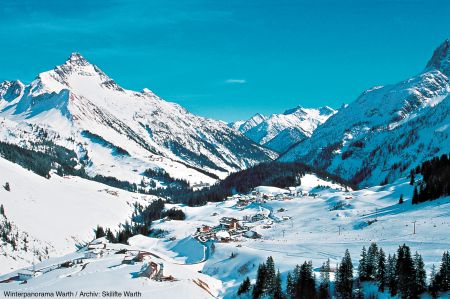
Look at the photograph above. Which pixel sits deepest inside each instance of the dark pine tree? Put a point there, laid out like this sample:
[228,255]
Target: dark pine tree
[324,286]
[415,198]
[278,291]
[362,267]
[433,288]
[99,232]
[372,258]
[344,277]
[271,275]
[290,286]
[420,275]
[405,272]
[391,275]
[305,286]
[444,273]
[244,287]
[400,201]
[2,210]
[259,287]
[381,271]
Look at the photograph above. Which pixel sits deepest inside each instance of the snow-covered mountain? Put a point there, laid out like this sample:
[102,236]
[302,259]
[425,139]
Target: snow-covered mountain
[281,131]
[122,132]
[387,130]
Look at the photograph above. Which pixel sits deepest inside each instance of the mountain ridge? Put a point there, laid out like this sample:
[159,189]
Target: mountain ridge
[387,130]
[78,96]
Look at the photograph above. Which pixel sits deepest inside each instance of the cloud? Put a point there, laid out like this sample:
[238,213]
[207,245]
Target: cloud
[235,81]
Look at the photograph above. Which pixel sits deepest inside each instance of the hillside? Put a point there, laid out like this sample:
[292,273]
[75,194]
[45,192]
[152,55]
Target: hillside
[58,213]
[318,223]
[120,132]
[387,131]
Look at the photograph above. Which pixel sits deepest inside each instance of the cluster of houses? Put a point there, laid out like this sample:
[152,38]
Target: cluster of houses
[100,248]
[229,229]
[256,196]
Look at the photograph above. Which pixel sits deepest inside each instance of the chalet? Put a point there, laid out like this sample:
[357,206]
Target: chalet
[205,229]
[141,256]
[223,236]
[229,223]
[254,218]
[152,270]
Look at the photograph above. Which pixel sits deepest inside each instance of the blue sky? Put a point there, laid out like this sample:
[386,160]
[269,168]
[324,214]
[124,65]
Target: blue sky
[229,59]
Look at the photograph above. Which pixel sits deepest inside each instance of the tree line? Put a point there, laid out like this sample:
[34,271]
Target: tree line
[140,222]
[401,274]
[277,174]
[436,179]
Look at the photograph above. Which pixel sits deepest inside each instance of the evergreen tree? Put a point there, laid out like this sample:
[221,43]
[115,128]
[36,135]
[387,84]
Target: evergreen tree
[405,272]
[415,198]
[13,243]
[443,276]
[2,210]
[110,236]
[244,287]
[412,181]
[362,267]
[381,270]
[358,293]
[278,292]
[324,286]
[25,244]
[271,275]
[290,286]
[7,187]
[296,273]
[400,201]
[420,275]
[344,277]
[433,288]
[391,275]
[305,285]
[372,258]
[99,232]
[258,288]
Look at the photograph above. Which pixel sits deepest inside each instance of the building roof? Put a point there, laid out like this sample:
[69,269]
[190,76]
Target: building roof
[223,234]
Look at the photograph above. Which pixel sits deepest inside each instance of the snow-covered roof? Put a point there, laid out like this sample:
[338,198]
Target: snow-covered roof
[223,234]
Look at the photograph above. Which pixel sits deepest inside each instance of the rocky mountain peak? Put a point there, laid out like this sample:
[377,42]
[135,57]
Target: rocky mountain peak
[441,58]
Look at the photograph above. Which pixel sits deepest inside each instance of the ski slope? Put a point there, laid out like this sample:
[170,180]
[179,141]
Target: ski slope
[59,212]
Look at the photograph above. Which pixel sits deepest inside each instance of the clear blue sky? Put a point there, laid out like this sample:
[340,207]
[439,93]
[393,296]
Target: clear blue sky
[229,59]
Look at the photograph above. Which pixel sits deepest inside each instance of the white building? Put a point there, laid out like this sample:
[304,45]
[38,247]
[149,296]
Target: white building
[28,274]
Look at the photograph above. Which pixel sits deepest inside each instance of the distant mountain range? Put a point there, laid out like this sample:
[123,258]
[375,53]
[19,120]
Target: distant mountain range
[379,137]
[279,132]
[387,130]
[121,132]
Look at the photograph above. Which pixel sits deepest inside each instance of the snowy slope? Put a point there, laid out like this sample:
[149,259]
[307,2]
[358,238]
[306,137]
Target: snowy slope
[244,126]
[280,131]
[58,213]
[387,130]
[110,275]
[134,130]
[312,233]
